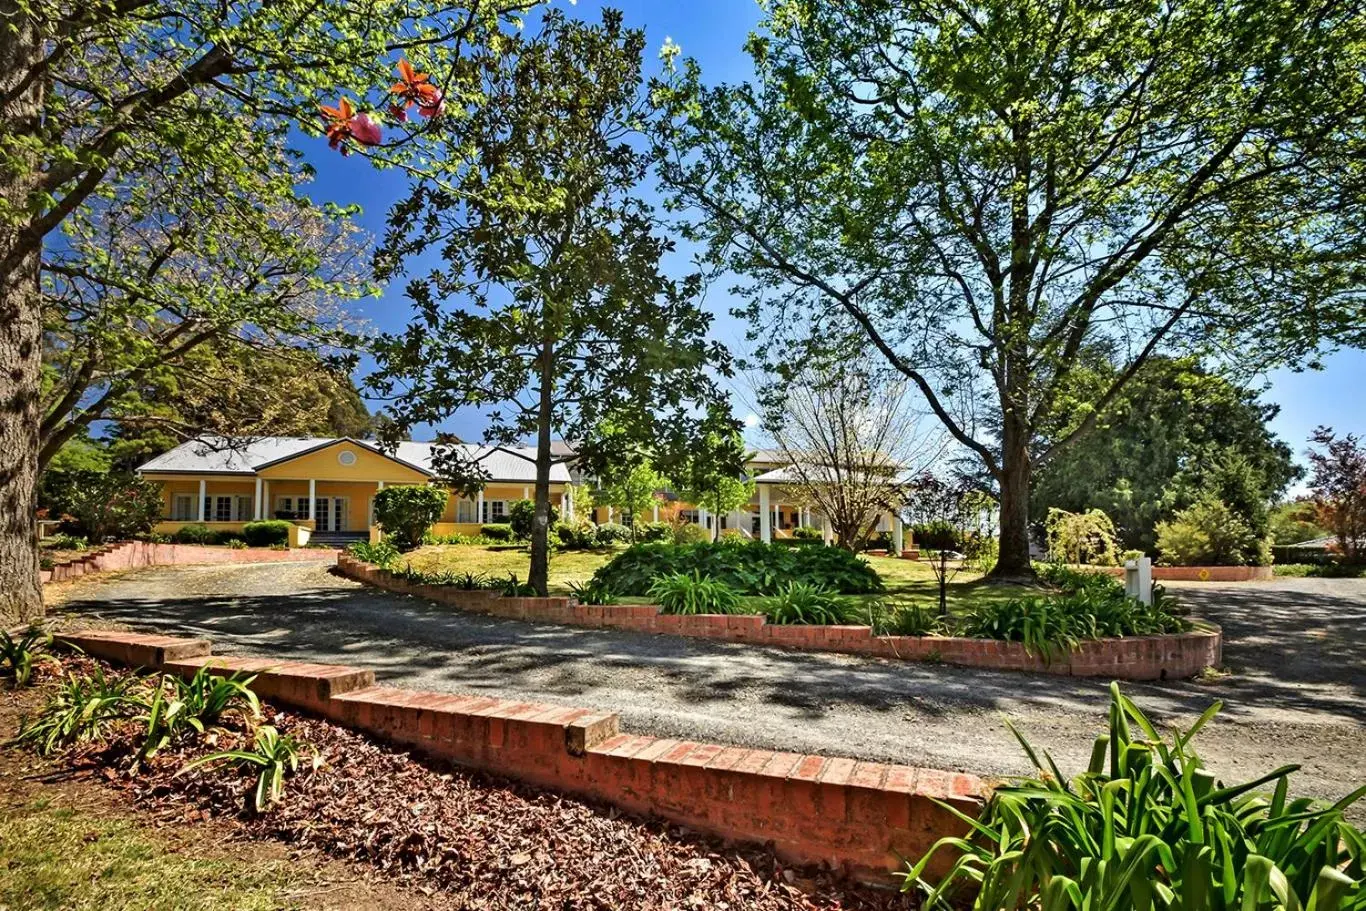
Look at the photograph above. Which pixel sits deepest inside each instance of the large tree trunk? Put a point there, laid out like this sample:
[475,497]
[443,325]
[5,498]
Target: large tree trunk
[21,596]
[1014,564]
[540,525]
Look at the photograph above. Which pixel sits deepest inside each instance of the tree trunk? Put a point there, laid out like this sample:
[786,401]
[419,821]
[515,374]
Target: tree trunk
[540,525]
[1013,564]
[21,596]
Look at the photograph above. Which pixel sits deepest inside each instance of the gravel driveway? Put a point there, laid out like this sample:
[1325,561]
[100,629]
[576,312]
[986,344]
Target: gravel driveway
[1297,648]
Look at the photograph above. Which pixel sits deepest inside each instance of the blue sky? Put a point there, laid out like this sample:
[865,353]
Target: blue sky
[713,32]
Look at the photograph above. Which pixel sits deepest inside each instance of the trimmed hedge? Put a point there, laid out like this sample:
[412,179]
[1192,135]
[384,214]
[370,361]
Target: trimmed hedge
[266,533]
[497,531]
[195,534]
[749,567]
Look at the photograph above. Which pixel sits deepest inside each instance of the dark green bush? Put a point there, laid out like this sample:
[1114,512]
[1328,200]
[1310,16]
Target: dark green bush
[522,516]
[266,533]
[611,533]
[195,534]
[937,535]
[806,533]
[655,531]
[407,512]
[749,567]
[497,531]
[1321,570]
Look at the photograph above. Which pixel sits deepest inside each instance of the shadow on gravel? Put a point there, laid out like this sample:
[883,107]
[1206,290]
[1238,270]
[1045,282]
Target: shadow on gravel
[1290,651]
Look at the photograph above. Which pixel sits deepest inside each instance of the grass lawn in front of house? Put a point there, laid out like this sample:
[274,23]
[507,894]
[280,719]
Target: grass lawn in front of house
[906,580]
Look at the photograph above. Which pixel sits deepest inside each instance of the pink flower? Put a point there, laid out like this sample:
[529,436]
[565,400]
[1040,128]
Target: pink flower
[398,113]
[364,130]
[436,108]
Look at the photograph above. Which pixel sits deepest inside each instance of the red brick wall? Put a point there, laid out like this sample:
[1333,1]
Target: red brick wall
[864,817]
[1135,658]
[1198,573]
[139,554]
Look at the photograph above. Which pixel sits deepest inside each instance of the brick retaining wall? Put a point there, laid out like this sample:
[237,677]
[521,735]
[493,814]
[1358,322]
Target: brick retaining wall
[140,554]
[864,817]
[1132,658]
[1197,573]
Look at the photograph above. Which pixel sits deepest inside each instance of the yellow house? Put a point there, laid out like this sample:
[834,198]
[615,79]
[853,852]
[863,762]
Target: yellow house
[326,487]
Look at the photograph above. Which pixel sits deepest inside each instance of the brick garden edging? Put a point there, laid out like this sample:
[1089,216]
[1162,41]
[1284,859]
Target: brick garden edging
[1133,658]
[1199,573]
[864,817]
[140,554]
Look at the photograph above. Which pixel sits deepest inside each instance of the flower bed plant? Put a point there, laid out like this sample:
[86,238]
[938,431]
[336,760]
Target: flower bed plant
[748,567]
[1147,826]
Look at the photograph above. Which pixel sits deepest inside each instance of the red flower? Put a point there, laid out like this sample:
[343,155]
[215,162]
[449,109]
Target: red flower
[344,123]
[414,88]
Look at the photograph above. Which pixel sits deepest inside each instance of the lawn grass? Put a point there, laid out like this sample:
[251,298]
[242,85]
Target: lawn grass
[906,580]
[57,856]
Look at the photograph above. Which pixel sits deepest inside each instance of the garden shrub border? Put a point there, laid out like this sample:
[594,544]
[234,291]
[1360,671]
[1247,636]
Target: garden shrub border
[1168,657]
[864,818]
[1196,573]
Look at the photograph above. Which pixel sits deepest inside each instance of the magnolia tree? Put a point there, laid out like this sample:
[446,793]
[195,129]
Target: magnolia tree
[547,305]
[988,189]
[94,94]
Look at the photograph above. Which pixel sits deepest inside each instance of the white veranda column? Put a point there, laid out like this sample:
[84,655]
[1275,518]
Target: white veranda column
[897,537]
[827,533]
[569,504]
[702,517]
[610,513]
[312,495]
[765,516]
[256,507]
[203,494]
[479,507]
[656,513]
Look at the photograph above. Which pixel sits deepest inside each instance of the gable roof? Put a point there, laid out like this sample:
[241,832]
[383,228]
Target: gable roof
[221,455]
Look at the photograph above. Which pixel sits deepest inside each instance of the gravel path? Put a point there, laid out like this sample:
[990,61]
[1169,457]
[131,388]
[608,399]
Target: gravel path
[1297,648]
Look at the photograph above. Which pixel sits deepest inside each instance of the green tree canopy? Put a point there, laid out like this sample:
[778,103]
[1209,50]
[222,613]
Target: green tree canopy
[1175,433]
[549,305]
[987,189]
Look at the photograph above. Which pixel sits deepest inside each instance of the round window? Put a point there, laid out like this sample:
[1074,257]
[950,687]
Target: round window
[346,457]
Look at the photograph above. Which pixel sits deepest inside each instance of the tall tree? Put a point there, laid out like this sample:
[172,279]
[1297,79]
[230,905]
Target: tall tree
[850,441]
[551,306]
[706,470]
[988,188]
[242,390]
[1174,433]
[91,92]
[182,285]
[1338,482]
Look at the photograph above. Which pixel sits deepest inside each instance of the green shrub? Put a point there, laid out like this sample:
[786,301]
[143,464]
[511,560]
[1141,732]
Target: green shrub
[1082,537]
[804,603]
[611,533]
[903,618]
[1148,826]
[498,531]
[63,541]
[806,533]
[1321,570]
[573,535]
[407,512]
[655,531]
[592,592]
[82,710]
[180,709]
[382,554]
[937,535]
[195,534]
[266,533]
[749,567]
[1209,533]
[512,587]
[690,533]
[684,593]
[522,516]
[106,505]
[19,656]
[271,757]
[236,544]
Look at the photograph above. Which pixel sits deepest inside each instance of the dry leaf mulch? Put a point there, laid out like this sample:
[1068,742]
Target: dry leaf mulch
[473,840]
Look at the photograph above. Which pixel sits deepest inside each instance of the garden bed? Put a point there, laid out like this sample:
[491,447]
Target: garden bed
[466,838]
[1163,657]
[1195,573]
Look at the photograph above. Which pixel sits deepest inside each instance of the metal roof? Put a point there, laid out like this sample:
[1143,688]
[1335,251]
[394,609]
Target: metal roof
[221,455]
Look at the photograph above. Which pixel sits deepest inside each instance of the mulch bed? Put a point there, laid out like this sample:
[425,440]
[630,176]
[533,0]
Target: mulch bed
[474,840]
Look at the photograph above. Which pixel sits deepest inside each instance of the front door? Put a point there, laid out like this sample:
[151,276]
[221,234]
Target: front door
[330,513]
